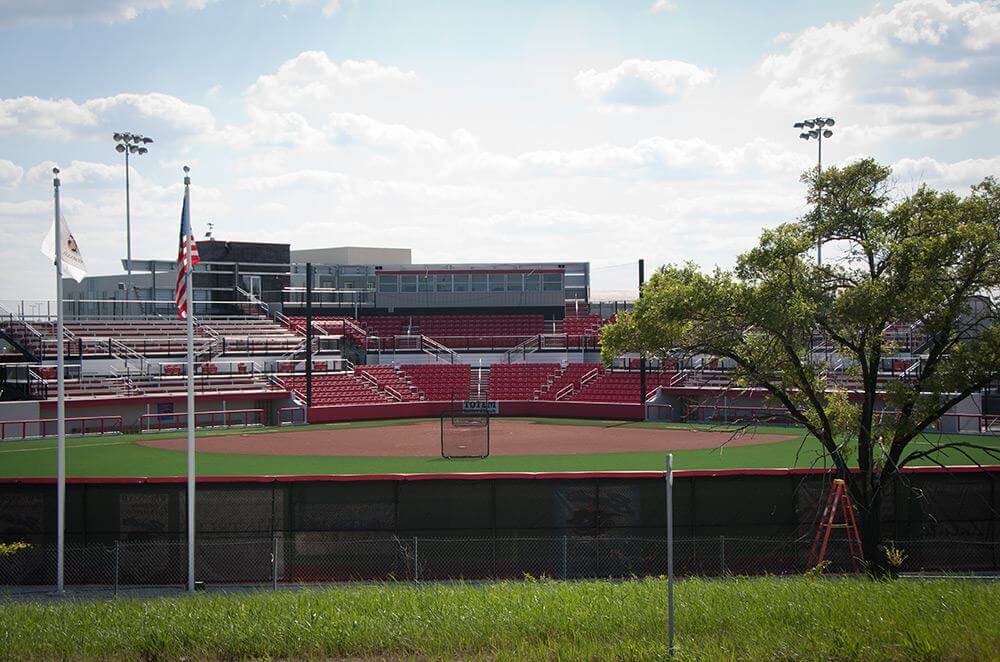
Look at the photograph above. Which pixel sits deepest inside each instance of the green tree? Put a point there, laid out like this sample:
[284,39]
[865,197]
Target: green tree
[930,260]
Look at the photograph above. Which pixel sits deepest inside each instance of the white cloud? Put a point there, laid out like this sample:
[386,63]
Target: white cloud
[950,175]
[655,157]
[636,83]
[24,12]
[78,172]
[339,187]
[312,78]
[160,115]
[10,173]
[351,128]
[928,64]
[329,7]
[663,6]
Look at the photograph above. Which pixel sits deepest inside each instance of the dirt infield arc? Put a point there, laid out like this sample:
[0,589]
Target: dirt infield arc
[507,437]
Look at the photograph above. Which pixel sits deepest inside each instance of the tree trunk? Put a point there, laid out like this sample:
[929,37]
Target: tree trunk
[870,529]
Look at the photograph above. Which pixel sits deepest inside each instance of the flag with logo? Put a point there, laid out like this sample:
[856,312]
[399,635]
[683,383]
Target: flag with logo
[72,260]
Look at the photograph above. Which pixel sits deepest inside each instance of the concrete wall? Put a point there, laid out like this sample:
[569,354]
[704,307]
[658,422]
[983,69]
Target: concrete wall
[353,255]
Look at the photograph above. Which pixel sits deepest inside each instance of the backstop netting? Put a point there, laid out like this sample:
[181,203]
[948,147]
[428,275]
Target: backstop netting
[465,434]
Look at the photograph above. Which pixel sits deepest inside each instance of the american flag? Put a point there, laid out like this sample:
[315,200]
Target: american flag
[186,243]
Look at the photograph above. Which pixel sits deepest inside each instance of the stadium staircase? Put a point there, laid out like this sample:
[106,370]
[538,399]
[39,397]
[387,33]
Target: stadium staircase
[441,381]
[392,381]
[482,376]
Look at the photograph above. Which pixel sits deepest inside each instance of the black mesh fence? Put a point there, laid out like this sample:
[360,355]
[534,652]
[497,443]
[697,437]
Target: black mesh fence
[132,532]
[286,560]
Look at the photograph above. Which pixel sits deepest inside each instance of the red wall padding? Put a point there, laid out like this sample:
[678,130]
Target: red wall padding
[595,410]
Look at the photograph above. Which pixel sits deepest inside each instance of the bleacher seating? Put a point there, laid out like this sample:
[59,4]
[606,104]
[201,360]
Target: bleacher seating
[440,381]
[570,376]
[339,389]
[585,325]
[331,325]
[388,376]
[167,337]
[619,386]
[460,331]
[150,385]
[520,381]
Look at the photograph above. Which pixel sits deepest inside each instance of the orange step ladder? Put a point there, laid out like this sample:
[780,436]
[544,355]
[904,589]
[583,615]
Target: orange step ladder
[838,502]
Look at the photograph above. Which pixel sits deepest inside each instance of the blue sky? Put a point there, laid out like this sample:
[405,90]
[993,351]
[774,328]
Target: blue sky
[600,131]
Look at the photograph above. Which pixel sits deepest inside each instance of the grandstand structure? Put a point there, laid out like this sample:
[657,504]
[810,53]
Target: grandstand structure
[385,341]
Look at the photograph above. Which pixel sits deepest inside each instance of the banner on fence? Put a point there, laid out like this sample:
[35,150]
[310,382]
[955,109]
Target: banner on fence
[491,407]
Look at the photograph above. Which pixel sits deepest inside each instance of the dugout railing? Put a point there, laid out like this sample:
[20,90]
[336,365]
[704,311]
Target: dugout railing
[76,426]
[203,420]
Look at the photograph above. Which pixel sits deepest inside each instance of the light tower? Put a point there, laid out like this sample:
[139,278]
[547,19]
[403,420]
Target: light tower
[129,143]
[817,129]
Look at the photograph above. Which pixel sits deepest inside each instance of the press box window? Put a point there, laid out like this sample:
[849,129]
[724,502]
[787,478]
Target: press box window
[388,283]
[498,283]
[515,282]
[442,283]
[477,283]
[461,282]
[552,282]
[532,282]
[424,284]
[408,283]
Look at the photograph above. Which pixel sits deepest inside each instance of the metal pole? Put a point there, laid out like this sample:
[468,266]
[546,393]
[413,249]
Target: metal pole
[128,232]
[416,567]
[722,556]
[117,565]
[190,387]
[670,550]
[309,335]
[819,238]
[642,359]
[60,402]
[565,563]
[274,563]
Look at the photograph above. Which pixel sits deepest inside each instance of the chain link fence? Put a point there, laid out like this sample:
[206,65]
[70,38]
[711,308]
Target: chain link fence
[304,558]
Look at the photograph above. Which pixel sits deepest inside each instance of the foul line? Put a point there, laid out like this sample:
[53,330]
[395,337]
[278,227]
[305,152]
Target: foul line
[52,448]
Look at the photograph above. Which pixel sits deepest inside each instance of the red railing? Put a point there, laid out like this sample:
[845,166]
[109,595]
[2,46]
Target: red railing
[79,426]
[204,420]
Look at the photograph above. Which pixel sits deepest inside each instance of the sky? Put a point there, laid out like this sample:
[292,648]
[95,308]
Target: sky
[474,131]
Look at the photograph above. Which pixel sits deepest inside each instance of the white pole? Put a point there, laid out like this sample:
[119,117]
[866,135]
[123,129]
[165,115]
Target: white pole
[60,401]
[190,390]
[670,551]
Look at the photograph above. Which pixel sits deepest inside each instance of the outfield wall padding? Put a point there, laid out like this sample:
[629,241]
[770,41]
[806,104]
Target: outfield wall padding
[763,503]
[613,411]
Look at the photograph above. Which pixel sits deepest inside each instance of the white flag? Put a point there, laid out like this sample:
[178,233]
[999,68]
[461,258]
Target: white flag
[72,261]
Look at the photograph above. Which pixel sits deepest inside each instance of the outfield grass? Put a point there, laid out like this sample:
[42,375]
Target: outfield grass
[751,619]
[122,456]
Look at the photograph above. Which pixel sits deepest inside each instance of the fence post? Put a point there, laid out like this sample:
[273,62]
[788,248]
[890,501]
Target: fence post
[274,562]
[722,556]
[416,571]
[117,565]
[565,545]
[670,550]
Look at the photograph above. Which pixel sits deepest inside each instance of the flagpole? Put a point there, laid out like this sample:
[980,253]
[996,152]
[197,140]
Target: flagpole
[60,400]
[190,384]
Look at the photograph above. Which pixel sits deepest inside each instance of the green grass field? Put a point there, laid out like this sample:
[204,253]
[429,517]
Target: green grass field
[122,456]
[746,619]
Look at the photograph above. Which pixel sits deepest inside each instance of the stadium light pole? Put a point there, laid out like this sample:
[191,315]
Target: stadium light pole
[817,129]
[129,143]
[642,357]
